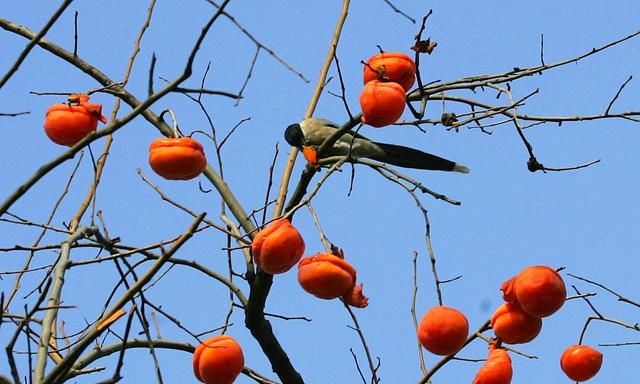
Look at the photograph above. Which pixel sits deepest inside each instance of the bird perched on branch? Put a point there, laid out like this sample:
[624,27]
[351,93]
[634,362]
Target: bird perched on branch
[311,133]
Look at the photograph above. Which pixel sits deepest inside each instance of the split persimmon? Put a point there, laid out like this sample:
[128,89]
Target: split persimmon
[66,124]
[513,325]
[443,330]
[539,290]
[177,158]
[497,369]
[278,247]
[328,277]
[382,103]
[394,66]
[218,360]
[580,362]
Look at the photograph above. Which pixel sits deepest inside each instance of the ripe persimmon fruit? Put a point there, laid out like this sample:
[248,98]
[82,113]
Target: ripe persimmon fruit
[580,362]
[177,158]
[443,330]
[278,247]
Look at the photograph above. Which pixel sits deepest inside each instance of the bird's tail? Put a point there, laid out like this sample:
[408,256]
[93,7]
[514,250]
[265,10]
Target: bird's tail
[412,158]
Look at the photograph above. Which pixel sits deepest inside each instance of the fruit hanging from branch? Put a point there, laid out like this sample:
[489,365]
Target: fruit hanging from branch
[382,103]
[443,330]
[278,247]
[513,325]
[539,290]
[497,369]
[177,158]
[580,362]
[393,66]
[218,360]
[328,277]
[66,124]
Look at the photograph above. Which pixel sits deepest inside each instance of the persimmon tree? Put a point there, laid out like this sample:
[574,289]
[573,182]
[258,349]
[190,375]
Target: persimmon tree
[112,273]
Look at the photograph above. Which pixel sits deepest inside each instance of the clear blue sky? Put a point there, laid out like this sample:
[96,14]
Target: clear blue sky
[510,218]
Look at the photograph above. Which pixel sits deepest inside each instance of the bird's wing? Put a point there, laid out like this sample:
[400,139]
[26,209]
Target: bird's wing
[316,131]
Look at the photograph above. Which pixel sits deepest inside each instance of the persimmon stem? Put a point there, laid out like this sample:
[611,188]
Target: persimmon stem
[176,130]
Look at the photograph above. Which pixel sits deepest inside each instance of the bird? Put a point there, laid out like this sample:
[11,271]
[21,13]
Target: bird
[310,133]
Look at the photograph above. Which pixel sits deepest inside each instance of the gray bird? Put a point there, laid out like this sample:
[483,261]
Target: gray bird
[313,132]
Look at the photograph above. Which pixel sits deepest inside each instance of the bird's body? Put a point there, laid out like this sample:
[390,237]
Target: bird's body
[313,132]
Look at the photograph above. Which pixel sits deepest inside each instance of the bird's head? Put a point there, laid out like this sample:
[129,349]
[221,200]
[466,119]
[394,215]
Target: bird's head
[294,136]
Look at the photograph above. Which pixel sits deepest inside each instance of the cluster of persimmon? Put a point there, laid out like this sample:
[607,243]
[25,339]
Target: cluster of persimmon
[174,158]
[276,249]
[279,246]
[536,292]
[533,294]
[387,78]
[444,331]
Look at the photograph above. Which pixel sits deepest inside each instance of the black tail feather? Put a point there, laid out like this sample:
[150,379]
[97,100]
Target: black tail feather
[412,158]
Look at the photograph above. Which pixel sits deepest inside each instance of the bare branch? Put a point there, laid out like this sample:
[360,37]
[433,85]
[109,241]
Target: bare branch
[34,40]
[397,10]
[606,112]
[284,184]
[5,114]
[65,365]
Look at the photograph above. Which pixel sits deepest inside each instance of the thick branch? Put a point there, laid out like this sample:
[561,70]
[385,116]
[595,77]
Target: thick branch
[54,300]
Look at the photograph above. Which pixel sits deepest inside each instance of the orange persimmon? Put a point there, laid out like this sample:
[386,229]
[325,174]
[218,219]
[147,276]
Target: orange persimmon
[66,124]
[177,158]
[580,362]
[328,277]
[539,290]
[497,369]
[513,325]
[218,360]
[278,247]
[443,330]
[394,66]
[382,103]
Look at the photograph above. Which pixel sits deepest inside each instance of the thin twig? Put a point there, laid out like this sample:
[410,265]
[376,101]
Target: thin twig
[284,184]
[64,366]
[34,40]
[372,367]
[259,44]
[6,114]
[606,112]
[399,11]
[323,237]
[619,296]
[414,298]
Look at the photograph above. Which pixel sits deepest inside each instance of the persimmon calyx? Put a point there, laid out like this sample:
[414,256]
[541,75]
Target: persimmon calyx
[78,98]
[93,109]
[355,297]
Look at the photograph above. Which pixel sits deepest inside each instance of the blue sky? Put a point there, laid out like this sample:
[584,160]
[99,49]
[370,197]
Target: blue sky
[510,218]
